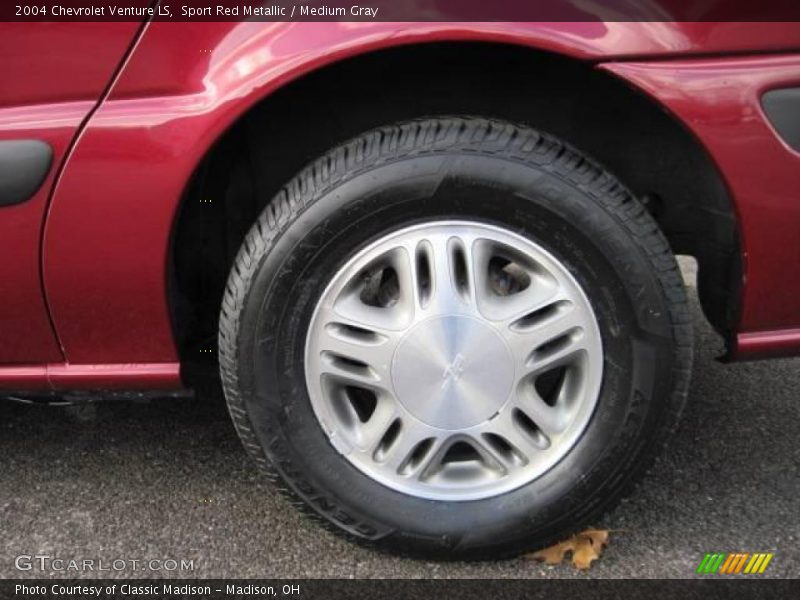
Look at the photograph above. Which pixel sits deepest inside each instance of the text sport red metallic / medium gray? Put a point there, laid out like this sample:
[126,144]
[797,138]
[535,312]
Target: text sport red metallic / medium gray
[433,262]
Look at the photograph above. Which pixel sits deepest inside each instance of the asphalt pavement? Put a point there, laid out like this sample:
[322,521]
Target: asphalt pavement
[168,480]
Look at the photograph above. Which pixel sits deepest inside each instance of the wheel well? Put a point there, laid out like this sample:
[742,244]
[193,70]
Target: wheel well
[626,132]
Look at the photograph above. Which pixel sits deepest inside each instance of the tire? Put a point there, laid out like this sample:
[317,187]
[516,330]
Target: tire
[470,173]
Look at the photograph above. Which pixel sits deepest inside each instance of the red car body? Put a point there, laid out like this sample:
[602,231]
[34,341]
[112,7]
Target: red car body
[131,109]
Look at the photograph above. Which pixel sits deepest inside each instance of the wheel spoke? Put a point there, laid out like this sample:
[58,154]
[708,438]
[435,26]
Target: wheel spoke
[551,337]
[422,272]
[381,297]
[513,444]
[492,455]
[507,294]
[416,445]
[351,351]
[345,371]
[557,352]
[549,419]
[453,278]
[378,425]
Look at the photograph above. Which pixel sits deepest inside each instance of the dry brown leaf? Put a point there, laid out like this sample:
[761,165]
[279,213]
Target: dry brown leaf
[586,547]
[585,553]
[554,554]
[599,537]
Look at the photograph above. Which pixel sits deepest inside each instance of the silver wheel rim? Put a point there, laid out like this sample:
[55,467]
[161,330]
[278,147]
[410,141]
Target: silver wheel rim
[453,360]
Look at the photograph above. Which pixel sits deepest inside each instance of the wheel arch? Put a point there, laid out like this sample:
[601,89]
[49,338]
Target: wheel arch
[626,131]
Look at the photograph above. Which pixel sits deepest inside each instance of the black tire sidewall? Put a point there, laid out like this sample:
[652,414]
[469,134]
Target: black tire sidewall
[573,225]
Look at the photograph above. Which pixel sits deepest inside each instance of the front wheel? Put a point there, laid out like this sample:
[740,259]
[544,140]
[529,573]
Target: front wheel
[455,338]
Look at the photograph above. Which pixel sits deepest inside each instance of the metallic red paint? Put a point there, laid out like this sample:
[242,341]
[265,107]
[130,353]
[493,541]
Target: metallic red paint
[768,344]
[59,376]
[158,376]
[24,324]
[53,76]
[58,63]
[719,101]
[106,241]
[24,377]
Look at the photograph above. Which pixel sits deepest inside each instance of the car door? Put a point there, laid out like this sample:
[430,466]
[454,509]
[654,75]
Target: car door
[52,75]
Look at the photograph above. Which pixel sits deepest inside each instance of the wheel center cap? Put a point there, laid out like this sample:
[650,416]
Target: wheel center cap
[452,372]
